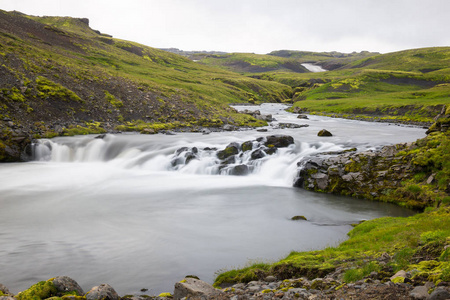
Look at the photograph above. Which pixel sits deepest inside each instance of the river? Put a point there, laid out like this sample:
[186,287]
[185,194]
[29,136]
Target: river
[118,210]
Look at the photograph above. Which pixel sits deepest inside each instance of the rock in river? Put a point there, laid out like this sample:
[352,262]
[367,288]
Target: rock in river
[324,132]
[279,141]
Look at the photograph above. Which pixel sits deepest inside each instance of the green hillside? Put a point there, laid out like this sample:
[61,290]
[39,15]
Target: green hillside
[59,76]
[410,85]
[407,86]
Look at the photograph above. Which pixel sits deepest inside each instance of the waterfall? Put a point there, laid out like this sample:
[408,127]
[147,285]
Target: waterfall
[258,158]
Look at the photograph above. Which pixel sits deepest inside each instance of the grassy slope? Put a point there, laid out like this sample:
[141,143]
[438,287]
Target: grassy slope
[410,85]
[66,49]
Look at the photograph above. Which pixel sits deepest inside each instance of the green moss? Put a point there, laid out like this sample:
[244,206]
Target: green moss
[13,94]
[167,295]
[356,274]
[48,89]
[113,100]
[246,274]
[91,128]
[398,279]
[41,290]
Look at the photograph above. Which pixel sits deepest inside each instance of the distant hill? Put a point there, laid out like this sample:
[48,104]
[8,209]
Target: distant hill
[192,53]
[277,61]
[327,60]
[246,63]
[410,85]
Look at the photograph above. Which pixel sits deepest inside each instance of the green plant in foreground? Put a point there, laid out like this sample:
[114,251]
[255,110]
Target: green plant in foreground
[353,275]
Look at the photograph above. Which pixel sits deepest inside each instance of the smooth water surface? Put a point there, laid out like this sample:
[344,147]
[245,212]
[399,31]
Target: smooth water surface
[116,210]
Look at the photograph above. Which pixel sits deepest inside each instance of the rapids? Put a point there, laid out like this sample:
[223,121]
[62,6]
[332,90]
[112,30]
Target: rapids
[129,210]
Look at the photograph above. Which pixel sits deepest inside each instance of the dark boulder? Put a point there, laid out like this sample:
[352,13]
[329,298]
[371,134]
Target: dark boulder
[181,150]
[247,146]
[240,170]
[279,141]
[270,151]
[229,160]
[324,132]
[190,156]
[257,154]
[231,149]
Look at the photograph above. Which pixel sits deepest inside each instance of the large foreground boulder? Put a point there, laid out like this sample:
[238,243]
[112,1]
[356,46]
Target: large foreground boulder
[191,287]
[102,292]
[65,284]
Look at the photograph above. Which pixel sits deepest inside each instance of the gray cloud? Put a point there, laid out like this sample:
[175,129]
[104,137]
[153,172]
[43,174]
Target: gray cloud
[261,26]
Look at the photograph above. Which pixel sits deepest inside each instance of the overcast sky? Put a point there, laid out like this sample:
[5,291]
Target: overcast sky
[260,26]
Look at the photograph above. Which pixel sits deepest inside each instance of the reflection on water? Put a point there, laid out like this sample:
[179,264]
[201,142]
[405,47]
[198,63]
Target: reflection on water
[111,211]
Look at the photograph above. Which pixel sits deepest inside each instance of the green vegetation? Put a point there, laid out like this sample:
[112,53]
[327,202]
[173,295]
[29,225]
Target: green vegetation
[47,89]
[47,290]
[385,245]
[431,162]
[383,94]
[113,100]
[58,69]
[90,128]
[38,291]
[407,86]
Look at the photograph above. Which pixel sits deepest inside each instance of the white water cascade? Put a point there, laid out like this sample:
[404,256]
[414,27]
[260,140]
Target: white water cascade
[149,153]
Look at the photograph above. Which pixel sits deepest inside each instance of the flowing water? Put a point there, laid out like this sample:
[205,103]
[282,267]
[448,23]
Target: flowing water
[128,209]
[313,68]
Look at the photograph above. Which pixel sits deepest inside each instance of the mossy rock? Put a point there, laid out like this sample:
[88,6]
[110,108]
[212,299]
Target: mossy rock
[230,150]
[38,291]
[299,218]
[247,146]
[279,141]
[324,132]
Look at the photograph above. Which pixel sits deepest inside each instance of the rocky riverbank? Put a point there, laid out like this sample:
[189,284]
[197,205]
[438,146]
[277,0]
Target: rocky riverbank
[330,287]
[413,175]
